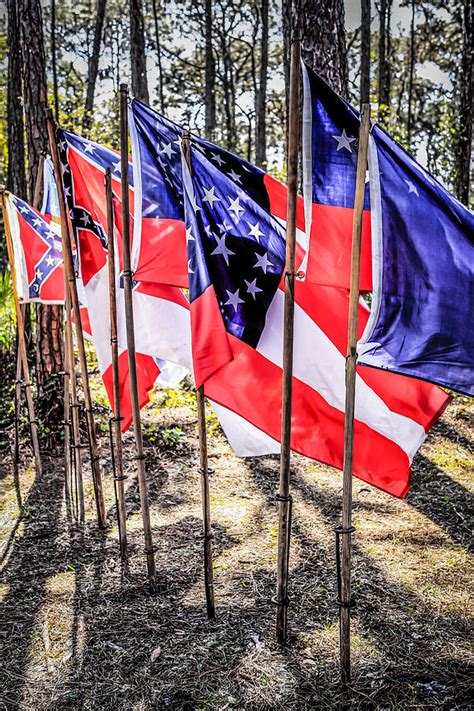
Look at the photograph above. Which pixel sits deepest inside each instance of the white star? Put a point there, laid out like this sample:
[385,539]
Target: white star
[255,231]
[189,235]
[344,141]
[222,249]
[217,159]
[252,287]
[85,219]
[263,262]
[37,222]
[64,168]
[411,187]
[49,261]
[23,209]
[234,299]
[210,197]
[39,273]
[190,271]
[194,205]
[234,176]
[168,150]
[62,144]
[117,167]
[67,192]
[89,148]
[234,206]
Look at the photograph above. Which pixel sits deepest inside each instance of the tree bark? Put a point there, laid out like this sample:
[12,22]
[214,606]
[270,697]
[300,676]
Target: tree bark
[411,74]
[158,57]
[261,96]
[16,176]
[384,54]
[53,59]
[210,77]
[323,45]
[464,177]
[137,52]
[93,68]
[365,53]
[49,346]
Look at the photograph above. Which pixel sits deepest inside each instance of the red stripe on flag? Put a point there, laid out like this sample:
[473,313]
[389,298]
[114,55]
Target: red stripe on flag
[211,349]
[163,291]
[328,307]
[317,427]
[147,373]
[163,256]
[278,196]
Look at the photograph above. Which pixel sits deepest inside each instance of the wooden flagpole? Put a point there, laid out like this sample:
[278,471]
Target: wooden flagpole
[69,270]
[116,435]
[132,364]
[344,532]
[203,461]
[71,380]
[24,306]
[21,340]
[68,468]
[284,496]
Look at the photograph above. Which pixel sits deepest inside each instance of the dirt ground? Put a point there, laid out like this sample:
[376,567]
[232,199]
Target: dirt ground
[81,631]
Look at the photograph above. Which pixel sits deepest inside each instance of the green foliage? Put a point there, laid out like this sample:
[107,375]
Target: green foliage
[7,311]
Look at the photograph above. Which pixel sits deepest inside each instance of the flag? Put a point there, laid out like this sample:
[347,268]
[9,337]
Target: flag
[236,261]
[159,350]
[329,160]
[37,253]
[159,243]
[421,238]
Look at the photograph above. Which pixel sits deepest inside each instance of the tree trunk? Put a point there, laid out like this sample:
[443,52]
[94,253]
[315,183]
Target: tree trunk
[16,176]
[93,68]
[411,74]
[384,56]
[261,96]
[49,347]
[158,57]
[365,53]
[323,45]
[466,114]
[137,52]
[210,78]
[53,59]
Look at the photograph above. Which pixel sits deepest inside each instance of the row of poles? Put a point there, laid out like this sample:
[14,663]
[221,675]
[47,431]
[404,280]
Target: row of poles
[73,445]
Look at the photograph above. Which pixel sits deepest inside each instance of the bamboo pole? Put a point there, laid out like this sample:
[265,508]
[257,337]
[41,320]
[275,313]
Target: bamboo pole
[203,461]
[284,496]
[18,384]
[24,306]
[346,529]
[69,269]
[21,341]
[132,364]
[70,377]
[116,438]
[67,429]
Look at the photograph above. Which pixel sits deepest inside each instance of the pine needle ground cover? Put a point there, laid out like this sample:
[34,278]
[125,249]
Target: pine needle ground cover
[82,631]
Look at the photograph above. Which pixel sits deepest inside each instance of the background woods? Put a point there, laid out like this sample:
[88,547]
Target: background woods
[219,67]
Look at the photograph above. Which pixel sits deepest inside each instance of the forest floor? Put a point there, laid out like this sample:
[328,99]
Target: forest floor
[82,631]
